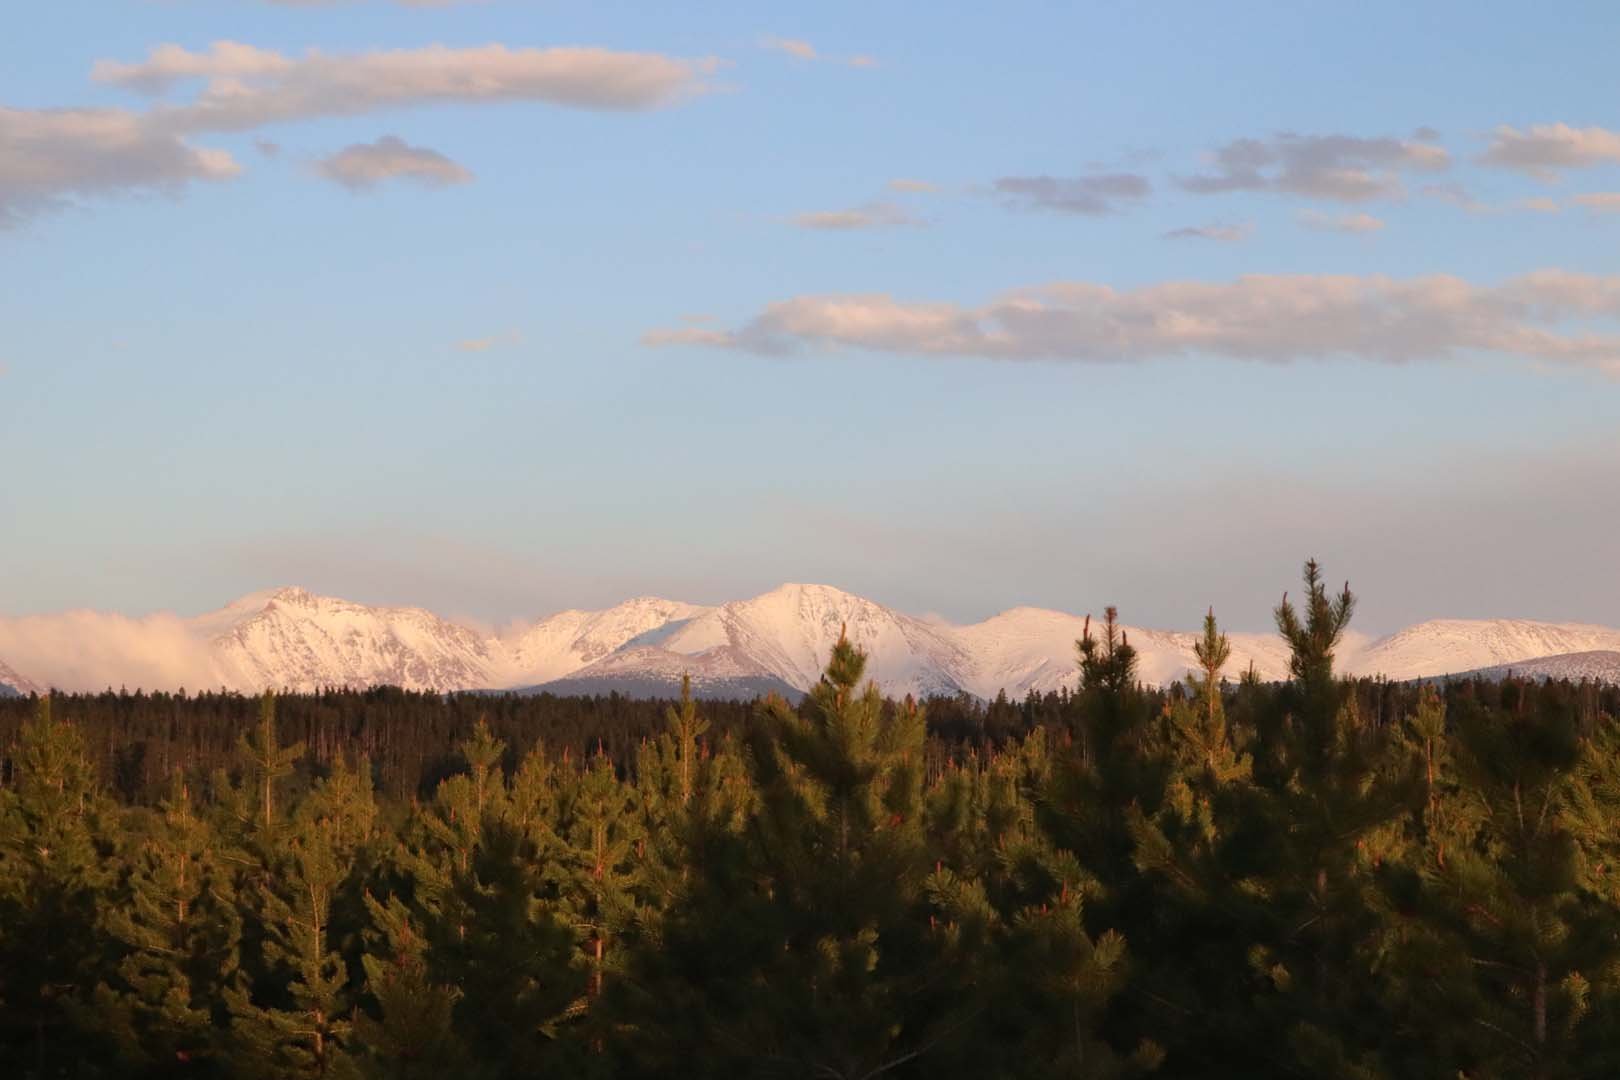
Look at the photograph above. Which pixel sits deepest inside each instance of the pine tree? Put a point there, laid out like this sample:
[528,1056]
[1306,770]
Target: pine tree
[266,761]
[1334,795]
[822,899]
[305,1030]
[1518,941]
[1011,909]
[686,728]
[52,885]
[596,875]
[177,920]
[478,870]
[413,1032]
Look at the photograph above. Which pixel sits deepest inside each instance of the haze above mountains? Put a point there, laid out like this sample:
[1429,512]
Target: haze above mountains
[291,639]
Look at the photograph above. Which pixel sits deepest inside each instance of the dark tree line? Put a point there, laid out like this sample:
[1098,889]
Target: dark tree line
[1316,878]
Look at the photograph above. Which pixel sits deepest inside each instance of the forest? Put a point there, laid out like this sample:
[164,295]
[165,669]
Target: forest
[1321,877]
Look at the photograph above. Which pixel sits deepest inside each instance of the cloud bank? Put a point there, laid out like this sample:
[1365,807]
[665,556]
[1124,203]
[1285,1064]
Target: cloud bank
[79,650]
[1270,318]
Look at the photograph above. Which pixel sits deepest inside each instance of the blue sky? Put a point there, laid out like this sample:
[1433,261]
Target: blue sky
[549,355]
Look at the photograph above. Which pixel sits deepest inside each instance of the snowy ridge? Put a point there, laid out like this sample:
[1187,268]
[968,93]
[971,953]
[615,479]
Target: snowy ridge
[292,639]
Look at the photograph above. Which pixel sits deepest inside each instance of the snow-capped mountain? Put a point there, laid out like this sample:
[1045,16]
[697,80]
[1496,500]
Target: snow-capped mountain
[13,684]
[292,639]
[790,631]
[1034,649]
[563,643]
[778,641]
[1453,646]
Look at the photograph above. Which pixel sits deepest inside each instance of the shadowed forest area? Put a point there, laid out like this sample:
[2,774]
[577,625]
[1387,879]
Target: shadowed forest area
[1224,877]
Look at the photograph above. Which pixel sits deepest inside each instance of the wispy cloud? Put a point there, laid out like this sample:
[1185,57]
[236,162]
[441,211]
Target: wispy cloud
[1218,232]
[1599,202]
[1344,168]
[245,87]
[365,165]
[800,49]
[1341,223]
[1272,318]
[1092,195]
[485,344]
[1545,149]
[397,3]
[874,215]
[794,47]
[688,335]
[1458,195]
[912,187]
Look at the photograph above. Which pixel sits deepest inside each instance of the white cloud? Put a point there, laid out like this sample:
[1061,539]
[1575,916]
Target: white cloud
[48,156]
[364,165]
[1544,149]
[876,215]
[246,87]
[1220,233]
[912,187]
[1345,168]
[1343,223]
[1099,193]
[1272,318]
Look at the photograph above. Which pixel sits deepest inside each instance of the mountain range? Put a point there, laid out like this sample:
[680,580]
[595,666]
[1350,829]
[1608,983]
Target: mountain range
[292,639]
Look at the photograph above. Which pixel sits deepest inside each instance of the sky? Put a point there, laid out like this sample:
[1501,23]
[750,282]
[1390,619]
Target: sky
[502,307]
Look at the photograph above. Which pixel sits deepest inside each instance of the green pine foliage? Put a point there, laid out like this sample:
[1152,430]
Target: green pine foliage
[1315,878]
